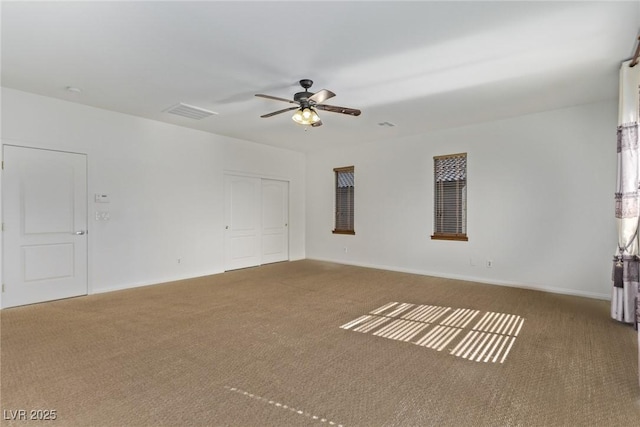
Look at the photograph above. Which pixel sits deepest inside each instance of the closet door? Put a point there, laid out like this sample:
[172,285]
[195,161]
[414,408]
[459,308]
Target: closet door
[242,238]
[275,221]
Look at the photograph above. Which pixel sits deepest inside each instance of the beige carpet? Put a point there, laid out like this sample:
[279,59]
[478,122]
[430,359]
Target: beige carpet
[265,347]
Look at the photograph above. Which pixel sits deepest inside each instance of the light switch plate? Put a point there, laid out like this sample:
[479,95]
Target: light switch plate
[102,216]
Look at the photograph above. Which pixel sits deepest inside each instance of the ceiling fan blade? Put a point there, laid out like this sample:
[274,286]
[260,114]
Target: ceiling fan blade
[316,124]
[321,96]
[276,98]
[335,109]
[278,112]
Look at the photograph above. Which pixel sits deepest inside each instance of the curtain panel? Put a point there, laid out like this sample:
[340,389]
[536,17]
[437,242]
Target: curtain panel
[624,305]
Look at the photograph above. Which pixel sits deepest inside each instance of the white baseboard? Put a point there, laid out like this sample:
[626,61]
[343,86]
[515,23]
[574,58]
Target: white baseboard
[157,282]
[122,287]
[563,291]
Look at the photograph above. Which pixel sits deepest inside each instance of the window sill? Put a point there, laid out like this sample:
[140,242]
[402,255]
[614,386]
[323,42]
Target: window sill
[344,232]
[458,237]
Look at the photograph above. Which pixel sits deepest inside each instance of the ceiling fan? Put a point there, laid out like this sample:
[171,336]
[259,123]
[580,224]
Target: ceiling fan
[307,103]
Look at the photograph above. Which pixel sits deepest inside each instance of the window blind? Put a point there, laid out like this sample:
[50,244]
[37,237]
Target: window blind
[450,196]
[345,188]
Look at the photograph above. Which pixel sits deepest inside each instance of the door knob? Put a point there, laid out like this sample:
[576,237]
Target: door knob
[80,233]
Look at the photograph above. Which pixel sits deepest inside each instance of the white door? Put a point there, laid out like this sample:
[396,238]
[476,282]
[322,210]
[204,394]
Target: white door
[275,221]
[242,218]
[45,225]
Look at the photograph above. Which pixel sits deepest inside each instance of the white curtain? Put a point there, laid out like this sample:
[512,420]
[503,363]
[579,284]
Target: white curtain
[626,264]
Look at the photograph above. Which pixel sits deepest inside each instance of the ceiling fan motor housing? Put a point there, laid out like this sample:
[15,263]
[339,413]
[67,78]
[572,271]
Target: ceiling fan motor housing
[302,97]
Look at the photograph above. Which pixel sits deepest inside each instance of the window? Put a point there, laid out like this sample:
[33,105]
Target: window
[344,200]
[450,197]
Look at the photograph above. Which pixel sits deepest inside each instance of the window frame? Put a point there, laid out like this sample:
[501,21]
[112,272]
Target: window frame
[351,211]
[460,199]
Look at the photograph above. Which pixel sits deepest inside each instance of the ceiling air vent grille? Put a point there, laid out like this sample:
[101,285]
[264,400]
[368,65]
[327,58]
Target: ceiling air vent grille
[190,111]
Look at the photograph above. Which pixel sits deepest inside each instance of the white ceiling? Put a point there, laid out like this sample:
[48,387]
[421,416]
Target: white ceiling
[420,65]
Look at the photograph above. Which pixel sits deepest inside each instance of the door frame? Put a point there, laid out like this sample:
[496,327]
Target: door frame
[23,144]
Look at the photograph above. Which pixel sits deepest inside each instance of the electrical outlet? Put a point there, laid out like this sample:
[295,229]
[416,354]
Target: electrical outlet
[489,263]
[472,262]
[345,250]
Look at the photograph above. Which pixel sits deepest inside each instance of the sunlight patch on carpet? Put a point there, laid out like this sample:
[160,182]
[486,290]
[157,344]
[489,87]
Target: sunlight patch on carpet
[489,340]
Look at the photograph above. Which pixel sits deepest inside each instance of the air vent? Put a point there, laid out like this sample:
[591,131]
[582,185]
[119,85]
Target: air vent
[190,111]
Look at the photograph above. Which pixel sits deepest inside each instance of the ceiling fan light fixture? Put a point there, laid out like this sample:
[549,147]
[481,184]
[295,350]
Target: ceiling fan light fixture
[306,116]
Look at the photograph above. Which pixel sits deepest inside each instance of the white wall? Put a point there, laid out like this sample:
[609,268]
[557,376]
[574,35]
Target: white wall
[540,202]
[540,196]
[165,183]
